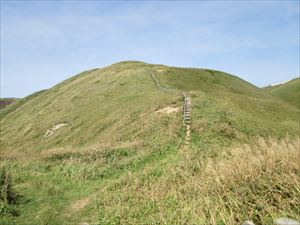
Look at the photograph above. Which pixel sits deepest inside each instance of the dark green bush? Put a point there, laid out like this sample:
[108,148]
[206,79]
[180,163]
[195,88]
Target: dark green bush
[7,194]
[7,197]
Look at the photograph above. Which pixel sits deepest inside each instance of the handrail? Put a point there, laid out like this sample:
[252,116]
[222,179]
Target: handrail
[163,89]
[186,106]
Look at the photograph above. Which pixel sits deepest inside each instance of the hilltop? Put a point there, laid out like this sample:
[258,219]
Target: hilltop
[106,146]
[288,91]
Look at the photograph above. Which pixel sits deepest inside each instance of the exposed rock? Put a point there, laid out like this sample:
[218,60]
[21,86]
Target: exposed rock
[248,222]
[55,127]
[286,221]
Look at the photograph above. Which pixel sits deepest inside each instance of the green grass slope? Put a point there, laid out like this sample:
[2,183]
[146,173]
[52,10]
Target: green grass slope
[289,91]
[97,148]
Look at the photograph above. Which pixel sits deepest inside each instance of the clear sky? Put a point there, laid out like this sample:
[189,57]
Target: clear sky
[45,42]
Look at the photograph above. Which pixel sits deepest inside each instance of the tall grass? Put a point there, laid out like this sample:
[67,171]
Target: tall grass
[258,182]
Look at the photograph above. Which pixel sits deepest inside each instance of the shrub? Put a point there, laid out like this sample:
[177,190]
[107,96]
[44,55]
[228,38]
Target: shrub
[7,194]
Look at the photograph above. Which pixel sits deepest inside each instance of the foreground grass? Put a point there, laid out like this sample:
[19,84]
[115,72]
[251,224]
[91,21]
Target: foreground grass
[258,182]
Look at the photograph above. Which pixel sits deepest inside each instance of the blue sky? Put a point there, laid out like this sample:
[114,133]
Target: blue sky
[45,42]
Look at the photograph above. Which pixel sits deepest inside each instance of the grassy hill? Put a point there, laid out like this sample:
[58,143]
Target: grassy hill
[289,91]
[101,147]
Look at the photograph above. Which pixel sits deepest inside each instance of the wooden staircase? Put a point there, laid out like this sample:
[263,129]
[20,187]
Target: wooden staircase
[187,116]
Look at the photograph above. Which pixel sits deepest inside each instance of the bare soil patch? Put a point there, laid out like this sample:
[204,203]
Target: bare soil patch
[168,110]
[80,204]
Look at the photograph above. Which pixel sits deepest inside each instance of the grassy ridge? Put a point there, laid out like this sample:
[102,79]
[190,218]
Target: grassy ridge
[289,92]
[117,161]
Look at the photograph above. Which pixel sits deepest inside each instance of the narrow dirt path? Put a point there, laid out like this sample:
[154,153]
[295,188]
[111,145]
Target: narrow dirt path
[78,205]
[187,108]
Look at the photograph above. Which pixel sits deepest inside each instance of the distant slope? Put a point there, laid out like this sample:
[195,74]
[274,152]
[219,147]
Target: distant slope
[6,101]
[102,140]
[289,91]
[18,103]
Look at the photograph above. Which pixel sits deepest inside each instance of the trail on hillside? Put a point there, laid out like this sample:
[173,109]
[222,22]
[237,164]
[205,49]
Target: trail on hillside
[187,107]
[78,205]
[81,203]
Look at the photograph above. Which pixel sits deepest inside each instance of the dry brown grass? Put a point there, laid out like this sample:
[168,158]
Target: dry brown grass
[258,182]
